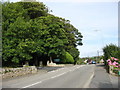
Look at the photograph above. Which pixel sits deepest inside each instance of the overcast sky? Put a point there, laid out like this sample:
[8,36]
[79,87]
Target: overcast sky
[97,20]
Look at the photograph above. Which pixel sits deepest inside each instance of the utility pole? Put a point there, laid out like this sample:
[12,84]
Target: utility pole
[98,53]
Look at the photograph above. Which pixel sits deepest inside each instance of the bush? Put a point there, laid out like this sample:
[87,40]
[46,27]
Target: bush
[81,61]
[67,58]
[115,64]
[111,51]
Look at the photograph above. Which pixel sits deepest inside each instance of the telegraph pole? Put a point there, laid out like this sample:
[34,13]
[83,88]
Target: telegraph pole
[98,53]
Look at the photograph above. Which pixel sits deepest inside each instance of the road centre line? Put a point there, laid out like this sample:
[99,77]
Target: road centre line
[58,75]
[41,81]
[88,82]
[31,85]
[51,77]
[56,70]
[65,68]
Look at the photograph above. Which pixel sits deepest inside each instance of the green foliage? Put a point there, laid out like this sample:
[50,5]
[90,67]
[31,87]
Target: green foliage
[21,37]
[34,9]
[67,58]
[80,61]
[74,52]
[52,34]
[30,32]
[111,51]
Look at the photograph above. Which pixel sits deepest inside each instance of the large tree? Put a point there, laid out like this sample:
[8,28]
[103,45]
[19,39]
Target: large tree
[19,32]
[31,34]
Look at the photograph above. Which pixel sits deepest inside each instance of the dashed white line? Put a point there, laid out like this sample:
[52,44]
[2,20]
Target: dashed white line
[52,77]
[32,84]
[56,70]
[58,75]
[88,82]
[51,71]
[42,81]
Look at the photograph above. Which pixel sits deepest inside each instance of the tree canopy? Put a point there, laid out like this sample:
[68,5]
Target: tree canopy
[111,51]
[31,34]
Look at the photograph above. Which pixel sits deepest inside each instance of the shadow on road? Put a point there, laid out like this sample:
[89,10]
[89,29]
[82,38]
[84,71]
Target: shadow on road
[48,68]
[100,65]
[103,66]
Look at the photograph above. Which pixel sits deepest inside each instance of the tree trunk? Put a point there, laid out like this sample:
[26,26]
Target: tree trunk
[51,60]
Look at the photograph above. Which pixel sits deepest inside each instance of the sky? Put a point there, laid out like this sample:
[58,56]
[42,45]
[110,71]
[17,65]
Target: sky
[97,20]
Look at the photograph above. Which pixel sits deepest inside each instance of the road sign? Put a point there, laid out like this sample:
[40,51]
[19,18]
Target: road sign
[56,60]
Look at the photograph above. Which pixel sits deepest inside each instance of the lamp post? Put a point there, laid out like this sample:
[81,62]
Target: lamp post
[101,36]
[98,52]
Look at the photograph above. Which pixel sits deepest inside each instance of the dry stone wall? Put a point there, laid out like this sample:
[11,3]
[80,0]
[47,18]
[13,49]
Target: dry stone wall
[14,72]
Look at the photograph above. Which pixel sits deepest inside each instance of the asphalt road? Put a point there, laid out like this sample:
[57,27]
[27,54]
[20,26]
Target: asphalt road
[78,76]
[102,79]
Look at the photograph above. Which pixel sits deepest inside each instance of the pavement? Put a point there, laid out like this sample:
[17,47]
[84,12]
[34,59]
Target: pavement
[114,81]
[102,79]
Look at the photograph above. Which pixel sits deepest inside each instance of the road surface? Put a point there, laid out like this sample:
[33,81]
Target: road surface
[78,76]
[102,79]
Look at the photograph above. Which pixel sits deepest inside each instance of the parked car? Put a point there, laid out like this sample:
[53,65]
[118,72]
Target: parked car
[93,62]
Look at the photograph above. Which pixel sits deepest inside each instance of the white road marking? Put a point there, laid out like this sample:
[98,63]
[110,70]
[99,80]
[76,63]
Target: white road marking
[32,84]
[75,68]
[88,82]
[56,70]
[51,77]
[58,75]
[51,71]
[41,81]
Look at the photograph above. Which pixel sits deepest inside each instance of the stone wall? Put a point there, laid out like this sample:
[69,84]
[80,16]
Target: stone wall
[111,70]
[14,72]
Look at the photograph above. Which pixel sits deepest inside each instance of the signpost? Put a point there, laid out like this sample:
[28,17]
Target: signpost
[56,60]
